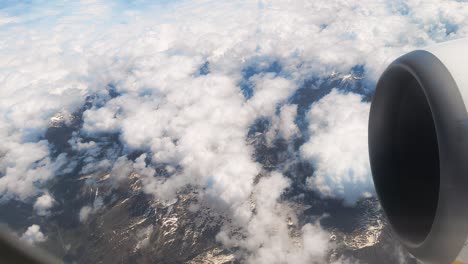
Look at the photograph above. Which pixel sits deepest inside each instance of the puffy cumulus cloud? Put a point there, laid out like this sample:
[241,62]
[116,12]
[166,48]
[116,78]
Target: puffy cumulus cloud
[43,204]
[85,212]
[284,124]
[199,124]
[53,64]
[271,234]
[25,167]
[269,91]
[102,119]
[338,146]
[143,236]
[122,168]
[341,34]
[33,235]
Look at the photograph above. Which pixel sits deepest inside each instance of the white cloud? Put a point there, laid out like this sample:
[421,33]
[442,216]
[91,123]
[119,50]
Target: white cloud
[338,146]
[143,236]
[154,65]
[43,204]
[85,212]
[269,235]
[4,20]
[25,167]
[33,235]
[121,168]
[283,125]
[101,119]
[269,92]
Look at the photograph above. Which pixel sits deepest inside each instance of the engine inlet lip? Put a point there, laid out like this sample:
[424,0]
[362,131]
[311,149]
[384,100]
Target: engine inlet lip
[450,225]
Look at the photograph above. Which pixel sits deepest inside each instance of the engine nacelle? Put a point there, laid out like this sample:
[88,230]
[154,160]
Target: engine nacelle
[418,147]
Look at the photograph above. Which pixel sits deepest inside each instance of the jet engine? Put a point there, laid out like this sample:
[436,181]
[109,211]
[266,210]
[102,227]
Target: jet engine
[418,148]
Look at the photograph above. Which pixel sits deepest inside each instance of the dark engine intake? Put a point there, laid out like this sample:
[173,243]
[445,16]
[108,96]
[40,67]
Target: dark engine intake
[418,147]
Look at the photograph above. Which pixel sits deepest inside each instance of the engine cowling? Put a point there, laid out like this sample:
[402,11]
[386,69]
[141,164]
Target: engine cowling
[418,148]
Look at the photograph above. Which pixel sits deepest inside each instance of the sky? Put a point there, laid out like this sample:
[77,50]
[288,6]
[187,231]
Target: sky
[181,83]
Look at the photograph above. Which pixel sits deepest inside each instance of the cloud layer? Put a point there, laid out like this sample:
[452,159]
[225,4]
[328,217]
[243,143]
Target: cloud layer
[338,146]
[182,83]
[33,235]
